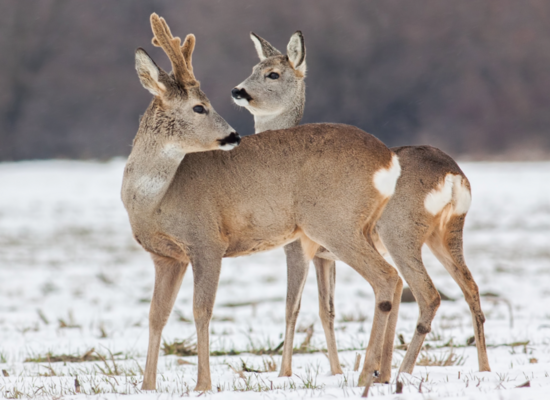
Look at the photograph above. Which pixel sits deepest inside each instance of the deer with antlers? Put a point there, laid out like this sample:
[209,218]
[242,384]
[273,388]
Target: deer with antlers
[429,207]
[322,184]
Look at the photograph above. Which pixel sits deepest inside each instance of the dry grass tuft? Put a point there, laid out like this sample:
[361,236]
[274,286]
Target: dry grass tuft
[188,347]
[90,355]
[268,365]
[446,359]
[305,346]
[182,348]
[354,317]
[71,324]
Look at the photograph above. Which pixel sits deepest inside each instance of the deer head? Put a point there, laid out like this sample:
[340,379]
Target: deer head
[277,81]
[180,116]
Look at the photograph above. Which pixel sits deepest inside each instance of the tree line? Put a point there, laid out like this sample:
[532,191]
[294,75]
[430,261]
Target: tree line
[471,77]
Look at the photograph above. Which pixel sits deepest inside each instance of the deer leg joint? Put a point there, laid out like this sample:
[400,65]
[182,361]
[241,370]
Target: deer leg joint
[385,306]
[423,329]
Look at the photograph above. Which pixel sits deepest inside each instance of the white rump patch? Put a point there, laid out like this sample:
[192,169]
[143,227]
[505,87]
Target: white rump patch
[385,179]
[440,196]
[462,198]
[450,191]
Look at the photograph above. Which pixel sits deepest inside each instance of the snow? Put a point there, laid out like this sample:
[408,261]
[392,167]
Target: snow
[66,253]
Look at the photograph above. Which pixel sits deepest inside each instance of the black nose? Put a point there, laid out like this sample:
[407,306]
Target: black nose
[240,94]
[233,138]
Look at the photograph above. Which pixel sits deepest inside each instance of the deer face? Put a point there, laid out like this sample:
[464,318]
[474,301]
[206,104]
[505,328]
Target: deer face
[181,118]
[201,127]
[276,81]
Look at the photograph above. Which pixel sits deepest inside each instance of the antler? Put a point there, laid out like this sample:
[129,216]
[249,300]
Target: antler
[187,51]
[163,38]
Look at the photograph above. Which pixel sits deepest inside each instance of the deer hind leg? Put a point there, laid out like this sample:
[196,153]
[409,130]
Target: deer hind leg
[387,351]
[206,275]
[352,248]
[168,276]
[407,255]
[297,269]
[326,276]
[447,246]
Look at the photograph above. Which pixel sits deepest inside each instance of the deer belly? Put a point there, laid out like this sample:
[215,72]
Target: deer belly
[241,245]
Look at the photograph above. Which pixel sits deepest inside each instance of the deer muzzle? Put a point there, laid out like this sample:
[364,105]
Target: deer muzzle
[230,142]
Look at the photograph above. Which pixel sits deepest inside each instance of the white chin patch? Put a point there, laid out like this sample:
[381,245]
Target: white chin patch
[228,146]
[240,102]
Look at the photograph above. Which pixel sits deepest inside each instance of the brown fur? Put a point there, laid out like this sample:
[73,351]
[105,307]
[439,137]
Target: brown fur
[188,204]
[403,228]
[283,102]
[310,247]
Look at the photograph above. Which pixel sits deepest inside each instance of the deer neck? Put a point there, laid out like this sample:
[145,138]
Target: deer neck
[149,171]
[289,117]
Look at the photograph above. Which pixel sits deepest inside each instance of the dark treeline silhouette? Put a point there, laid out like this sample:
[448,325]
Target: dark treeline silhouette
[471,77]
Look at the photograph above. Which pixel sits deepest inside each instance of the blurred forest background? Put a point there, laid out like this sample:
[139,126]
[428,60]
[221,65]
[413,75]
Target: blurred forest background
[471,77]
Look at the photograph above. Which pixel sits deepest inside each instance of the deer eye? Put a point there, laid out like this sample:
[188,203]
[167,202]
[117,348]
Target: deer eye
[199,109]
[273,75]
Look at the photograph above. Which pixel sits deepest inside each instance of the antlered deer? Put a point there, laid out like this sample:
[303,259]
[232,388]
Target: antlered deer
[429,206]
[324,184]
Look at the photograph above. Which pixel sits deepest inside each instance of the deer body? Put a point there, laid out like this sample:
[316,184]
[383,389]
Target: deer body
[429,206]
[324,184]
[253,206]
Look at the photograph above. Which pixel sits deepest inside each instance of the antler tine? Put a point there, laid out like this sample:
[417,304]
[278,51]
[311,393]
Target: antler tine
[187,51]
[171,45]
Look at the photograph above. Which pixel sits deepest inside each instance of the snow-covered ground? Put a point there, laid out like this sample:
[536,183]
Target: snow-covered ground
[72,279]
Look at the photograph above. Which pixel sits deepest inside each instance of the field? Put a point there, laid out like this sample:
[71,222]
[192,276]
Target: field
[75,291]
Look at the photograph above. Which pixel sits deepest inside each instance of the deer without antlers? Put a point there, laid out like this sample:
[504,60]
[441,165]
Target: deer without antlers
[325,184]
[429,206]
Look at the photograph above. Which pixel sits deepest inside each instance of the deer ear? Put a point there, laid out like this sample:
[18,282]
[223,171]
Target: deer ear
[148,73]
[296,52]
[263,47]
